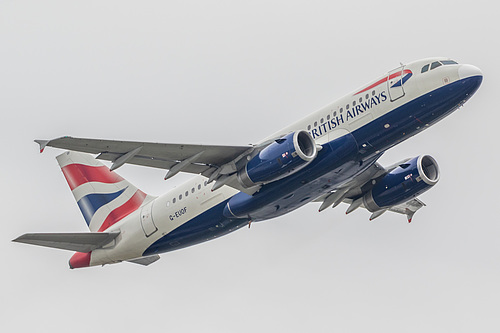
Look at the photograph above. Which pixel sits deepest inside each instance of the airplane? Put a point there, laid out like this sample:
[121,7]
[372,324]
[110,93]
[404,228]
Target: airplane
[329,157]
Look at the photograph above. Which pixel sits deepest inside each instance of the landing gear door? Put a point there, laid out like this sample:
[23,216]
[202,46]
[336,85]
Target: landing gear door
[147,222]
[395,84]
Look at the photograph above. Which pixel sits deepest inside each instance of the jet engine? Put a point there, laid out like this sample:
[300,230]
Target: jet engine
[407,181]
[282,158]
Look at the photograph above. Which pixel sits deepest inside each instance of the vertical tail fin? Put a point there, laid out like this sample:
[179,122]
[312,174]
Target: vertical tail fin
[103,197]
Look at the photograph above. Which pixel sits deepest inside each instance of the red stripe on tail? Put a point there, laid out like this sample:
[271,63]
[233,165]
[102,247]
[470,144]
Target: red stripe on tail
[78,174]
[119,213]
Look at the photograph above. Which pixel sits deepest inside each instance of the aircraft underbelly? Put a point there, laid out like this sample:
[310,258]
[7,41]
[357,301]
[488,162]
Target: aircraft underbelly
[305,194]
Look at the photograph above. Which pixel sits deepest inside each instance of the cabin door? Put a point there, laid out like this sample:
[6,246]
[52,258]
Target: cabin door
[147,222]
[395,84]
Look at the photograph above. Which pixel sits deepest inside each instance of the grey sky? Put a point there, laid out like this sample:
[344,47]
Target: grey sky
[230,72]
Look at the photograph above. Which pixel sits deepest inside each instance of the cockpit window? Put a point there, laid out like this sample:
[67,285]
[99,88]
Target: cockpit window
[435,64]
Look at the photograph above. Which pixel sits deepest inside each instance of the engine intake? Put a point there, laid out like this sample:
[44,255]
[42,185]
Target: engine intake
[282,158]
[407,181]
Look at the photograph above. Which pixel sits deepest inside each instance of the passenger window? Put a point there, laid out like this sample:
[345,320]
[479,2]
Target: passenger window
[322,120]
[192,190]
[435,64]
[186,194]
[199,187]
[341,110]
[347,107]
[315,123]
[180,196]
[373,92]
[205,183]
[173,200]
[308,127]
[361,99]
[367,96]
[353,103]
[335,114]
[425,68]
[327,117]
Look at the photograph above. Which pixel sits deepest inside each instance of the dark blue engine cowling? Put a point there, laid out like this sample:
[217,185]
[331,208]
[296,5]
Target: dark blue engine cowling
[280,159]
[405,182]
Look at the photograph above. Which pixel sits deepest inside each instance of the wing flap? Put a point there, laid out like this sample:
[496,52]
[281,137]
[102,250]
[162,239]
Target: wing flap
[79,242]
[154,162]
[408,208]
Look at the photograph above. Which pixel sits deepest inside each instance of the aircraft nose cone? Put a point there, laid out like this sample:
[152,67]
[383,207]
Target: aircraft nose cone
[466,71]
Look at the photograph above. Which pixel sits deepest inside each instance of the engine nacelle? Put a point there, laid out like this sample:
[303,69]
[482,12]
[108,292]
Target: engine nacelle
[407,181]
[283,157]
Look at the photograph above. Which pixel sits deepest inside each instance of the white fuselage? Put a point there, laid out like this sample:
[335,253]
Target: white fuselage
[162,215]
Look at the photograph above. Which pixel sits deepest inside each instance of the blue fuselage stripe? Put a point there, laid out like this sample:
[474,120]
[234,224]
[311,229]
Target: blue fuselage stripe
[206,226]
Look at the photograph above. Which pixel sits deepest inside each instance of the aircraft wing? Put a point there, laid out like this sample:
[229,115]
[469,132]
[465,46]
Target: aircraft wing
[355,189]
[79,242]
[197,159]
[408,208]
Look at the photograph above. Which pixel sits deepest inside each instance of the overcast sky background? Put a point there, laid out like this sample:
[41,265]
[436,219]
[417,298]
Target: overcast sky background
[233,72]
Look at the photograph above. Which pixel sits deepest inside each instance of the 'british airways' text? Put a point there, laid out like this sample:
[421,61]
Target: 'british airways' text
[350,114]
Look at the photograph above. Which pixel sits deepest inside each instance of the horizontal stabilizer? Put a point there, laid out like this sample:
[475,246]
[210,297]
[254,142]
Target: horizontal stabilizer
[145,260]
[79,242]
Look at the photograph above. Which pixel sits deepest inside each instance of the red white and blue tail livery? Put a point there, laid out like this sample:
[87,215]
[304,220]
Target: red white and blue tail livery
[329,157]
[103,197]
